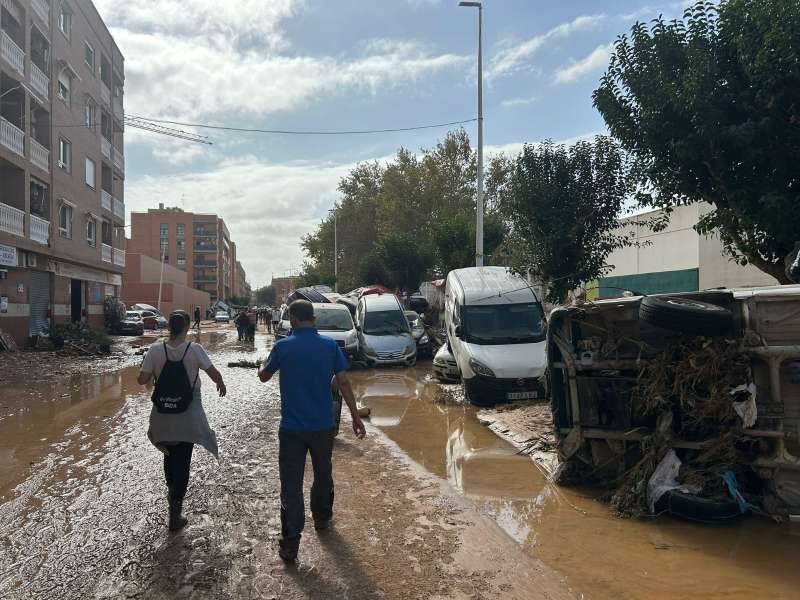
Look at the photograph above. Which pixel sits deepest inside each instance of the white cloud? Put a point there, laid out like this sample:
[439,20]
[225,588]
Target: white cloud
[597,60]
[517,102]
[515,57]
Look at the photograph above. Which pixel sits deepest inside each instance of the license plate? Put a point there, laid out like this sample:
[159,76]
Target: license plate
[522,395]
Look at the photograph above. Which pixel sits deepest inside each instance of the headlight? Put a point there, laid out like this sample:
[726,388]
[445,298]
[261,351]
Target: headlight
[412,347]
[424,339]
[351,340]
[480,368]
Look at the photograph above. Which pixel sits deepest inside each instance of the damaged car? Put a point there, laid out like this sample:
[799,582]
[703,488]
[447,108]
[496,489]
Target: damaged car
[683,403]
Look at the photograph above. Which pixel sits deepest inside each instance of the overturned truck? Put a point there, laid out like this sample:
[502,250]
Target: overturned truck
[684,403]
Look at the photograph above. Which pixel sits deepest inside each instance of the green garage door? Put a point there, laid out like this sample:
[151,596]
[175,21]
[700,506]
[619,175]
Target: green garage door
[666,282]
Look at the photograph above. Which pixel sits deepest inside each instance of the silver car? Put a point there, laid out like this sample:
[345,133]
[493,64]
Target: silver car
[383,332]
[334,321]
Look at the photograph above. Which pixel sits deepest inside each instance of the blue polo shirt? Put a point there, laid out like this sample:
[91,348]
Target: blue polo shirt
[307,362]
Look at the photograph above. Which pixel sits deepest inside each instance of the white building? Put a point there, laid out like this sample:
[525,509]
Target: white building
[677,259]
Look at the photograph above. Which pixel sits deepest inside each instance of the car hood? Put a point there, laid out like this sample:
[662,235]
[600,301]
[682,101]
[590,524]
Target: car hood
[335,335]
[512,360]
[388,343]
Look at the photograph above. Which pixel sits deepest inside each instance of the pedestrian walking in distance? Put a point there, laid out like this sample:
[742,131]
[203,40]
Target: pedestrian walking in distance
[177,419]
[197,318]
[307,362]
[276,317]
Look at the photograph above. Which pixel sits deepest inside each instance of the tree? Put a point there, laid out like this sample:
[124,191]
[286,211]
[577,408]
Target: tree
[709,106]
[454,240]
[407,262]
[562,205]
[372,270]
[266,295]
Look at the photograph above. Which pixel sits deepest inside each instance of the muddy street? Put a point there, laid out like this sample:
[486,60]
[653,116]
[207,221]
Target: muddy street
[430,505]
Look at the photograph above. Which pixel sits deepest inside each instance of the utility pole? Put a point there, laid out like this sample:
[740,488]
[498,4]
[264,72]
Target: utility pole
[160,280]
[335,249]
[479,203]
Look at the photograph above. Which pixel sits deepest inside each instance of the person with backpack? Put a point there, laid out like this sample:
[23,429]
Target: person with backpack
[177,419]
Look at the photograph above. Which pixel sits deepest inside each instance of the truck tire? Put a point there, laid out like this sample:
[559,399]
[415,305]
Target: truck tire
[686,315]
[694,508]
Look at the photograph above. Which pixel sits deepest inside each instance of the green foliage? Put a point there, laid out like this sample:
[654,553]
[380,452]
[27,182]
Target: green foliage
[372,270]
[709,107]
[78,332]
[454,240]
[266,295]
[406,261]
[562,205]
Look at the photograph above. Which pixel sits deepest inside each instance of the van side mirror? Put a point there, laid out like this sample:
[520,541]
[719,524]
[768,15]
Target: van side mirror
[458,331]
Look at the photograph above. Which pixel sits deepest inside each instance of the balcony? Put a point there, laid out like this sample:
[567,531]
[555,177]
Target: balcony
[208,248]
[39,81]
[106,200]
[12,220]
[119,208]
[40,230]
[119,160]
[107,252]
[13,53]
[12,137]
[119,257]
[117,108]
[105,94]
[41,8]
[40,156]
[105,148]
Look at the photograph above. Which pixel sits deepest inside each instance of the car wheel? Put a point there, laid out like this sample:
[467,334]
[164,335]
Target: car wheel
[686,315]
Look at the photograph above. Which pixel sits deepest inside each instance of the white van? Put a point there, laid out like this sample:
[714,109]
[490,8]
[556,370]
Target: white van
[495,332]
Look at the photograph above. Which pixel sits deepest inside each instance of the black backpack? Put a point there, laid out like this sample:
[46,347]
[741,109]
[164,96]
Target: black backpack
[172,393]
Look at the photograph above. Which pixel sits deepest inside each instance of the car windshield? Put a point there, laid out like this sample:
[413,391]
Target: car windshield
[385,322]
[333,320]
[503,324]
[133,315]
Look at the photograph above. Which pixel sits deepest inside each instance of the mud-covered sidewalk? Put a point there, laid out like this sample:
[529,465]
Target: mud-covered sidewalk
[86,519]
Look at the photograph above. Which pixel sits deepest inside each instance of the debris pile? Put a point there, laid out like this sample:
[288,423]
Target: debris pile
[245,364]
[76,339]
[698,392]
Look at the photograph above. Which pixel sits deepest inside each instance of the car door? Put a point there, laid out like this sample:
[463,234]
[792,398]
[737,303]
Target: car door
[149,320]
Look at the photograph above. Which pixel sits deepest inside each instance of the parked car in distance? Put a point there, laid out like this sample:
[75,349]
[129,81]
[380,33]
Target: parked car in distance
[417,302]
[149,319]
[222,317]
[284,328]
[334,321]
[383,332]
[422,339]
[445,366]
[131,324]
[148,311]
[494,329]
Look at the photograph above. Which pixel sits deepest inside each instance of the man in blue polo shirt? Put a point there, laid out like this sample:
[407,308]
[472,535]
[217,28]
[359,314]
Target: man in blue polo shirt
[307,362]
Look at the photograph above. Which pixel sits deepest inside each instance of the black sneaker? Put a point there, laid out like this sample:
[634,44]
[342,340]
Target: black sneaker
[287,555]
[322,524]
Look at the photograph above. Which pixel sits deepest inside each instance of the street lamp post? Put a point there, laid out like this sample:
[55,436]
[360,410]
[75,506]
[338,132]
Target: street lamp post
[335,250]
[479,207]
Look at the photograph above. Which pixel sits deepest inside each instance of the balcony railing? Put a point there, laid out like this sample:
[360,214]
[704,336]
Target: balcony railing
[39,81]
[105,94]
[106,200]
[198,248]
[12,220]
[42,9]
[117,107]
[105,147]
[40,230]
[119,208]
[13,53]
[119,257]
[107,252]
[119,160]
[12,137]
[40,156]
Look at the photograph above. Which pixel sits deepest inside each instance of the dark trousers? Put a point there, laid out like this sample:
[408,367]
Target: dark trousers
[176,469]
[292,463]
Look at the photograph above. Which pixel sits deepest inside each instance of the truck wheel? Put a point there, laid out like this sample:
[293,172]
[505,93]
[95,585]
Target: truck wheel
[686,315]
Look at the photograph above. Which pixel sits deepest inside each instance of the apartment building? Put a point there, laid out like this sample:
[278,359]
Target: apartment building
[197,243]
[62,165]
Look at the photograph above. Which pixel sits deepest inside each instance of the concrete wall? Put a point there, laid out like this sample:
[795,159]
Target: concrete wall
[141,282]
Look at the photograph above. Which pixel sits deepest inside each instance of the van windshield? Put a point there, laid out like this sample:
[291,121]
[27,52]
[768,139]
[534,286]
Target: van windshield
[503,324]
[385,322]
[333,320]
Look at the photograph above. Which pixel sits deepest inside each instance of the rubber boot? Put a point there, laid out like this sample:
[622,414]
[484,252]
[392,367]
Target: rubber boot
[176,520]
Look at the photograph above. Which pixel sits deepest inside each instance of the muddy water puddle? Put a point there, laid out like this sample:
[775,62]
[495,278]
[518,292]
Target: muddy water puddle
[601,556]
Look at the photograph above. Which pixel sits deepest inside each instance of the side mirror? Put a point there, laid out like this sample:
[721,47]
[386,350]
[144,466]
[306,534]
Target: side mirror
[458,331]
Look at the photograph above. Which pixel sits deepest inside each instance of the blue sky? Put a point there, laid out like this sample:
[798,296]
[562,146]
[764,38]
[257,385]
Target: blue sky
[341,64]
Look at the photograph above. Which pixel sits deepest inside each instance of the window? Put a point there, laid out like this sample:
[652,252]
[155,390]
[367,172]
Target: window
[90,172]
[65,20]
[164,230]
[181,260]
[64,86]
[88,56]
[65,220]
[64,154]
[90,113]
[180,244]
[180,230]
[91,232]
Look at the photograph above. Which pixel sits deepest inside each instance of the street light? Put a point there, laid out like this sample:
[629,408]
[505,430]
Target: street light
[479,207]
[335,250]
